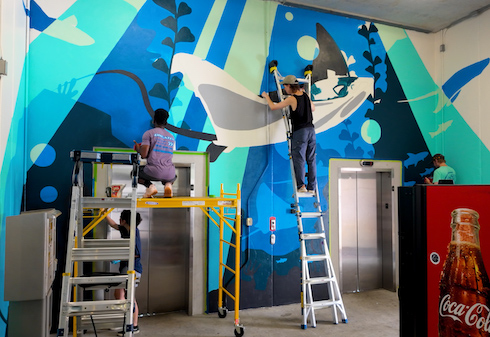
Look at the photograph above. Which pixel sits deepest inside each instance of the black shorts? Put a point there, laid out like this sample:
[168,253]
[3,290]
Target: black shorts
[142,175]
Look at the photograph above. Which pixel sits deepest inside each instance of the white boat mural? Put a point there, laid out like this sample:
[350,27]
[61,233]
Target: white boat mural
[240,118]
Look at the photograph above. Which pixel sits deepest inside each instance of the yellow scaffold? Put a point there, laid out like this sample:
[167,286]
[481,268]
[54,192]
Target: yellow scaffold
[224,211]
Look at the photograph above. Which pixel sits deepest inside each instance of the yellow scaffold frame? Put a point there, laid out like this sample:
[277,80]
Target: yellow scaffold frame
[227,207]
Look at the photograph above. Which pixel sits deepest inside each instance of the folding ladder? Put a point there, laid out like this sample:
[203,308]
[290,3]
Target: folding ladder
[316,264]
[106,313]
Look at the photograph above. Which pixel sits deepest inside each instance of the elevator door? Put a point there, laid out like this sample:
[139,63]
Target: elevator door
[165,246]
[366,251]
[168,265]
[168,253]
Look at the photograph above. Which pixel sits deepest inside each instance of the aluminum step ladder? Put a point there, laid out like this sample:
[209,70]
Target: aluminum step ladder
[100,313]
[317,271]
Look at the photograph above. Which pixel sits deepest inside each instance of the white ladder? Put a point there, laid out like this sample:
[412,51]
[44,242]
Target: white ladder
[100,313]
[314,252]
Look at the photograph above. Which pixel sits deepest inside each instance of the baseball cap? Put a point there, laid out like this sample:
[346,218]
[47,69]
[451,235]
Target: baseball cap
[290,79]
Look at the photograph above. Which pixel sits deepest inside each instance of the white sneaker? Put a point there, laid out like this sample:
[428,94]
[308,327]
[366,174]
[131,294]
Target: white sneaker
[302,189]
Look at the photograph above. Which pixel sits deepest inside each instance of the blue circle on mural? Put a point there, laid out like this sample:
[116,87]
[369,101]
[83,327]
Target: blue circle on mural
[49,194]
[371,131]
[43,155]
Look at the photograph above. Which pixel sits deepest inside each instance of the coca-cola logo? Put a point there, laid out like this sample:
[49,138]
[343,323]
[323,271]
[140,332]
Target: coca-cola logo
[478,314]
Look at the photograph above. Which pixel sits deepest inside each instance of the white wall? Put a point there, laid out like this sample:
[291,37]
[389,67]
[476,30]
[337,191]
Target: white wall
[467,43]
[13,32]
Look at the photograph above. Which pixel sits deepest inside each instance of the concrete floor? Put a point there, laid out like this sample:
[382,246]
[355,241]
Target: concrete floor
[370,314]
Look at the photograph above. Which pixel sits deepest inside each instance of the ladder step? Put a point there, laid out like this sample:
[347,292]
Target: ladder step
[100,254]
[105,243]
[94,280]
[106,321]
[311,214]
[324,304]
[312,236]
[95,307]
[319,280]
[305,195]
[319,257]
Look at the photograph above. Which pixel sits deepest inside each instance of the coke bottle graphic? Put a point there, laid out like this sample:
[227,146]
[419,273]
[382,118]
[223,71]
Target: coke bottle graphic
[464,286]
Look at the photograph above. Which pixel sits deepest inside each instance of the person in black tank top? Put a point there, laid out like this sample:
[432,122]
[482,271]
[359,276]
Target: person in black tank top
[303,139]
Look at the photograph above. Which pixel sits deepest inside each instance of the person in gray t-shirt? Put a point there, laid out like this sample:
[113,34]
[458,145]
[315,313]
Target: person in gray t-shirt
[158,147]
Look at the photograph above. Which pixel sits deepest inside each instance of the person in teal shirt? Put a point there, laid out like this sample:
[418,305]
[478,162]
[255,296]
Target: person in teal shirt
[442,171]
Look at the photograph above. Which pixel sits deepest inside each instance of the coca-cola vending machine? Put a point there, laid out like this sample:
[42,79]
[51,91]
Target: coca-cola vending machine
[444,242]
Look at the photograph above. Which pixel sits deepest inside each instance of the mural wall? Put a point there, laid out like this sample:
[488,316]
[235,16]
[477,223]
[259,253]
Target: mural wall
[460,75]
[96,71]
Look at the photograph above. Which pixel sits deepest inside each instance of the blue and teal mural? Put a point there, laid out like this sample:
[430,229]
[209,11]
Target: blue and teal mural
[96,72]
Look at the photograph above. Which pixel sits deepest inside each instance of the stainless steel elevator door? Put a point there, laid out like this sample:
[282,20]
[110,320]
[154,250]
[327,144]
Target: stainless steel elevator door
[385,225]
[349,274]
[168,270]
[165,244]
[361,230]
[369,246]
[168,253]
[165,240]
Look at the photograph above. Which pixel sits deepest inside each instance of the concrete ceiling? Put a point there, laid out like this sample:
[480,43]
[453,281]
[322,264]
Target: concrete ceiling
[427,16]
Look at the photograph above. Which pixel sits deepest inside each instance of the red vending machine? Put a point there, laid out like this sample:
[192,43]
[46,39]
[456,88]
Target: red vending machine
[444,242]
